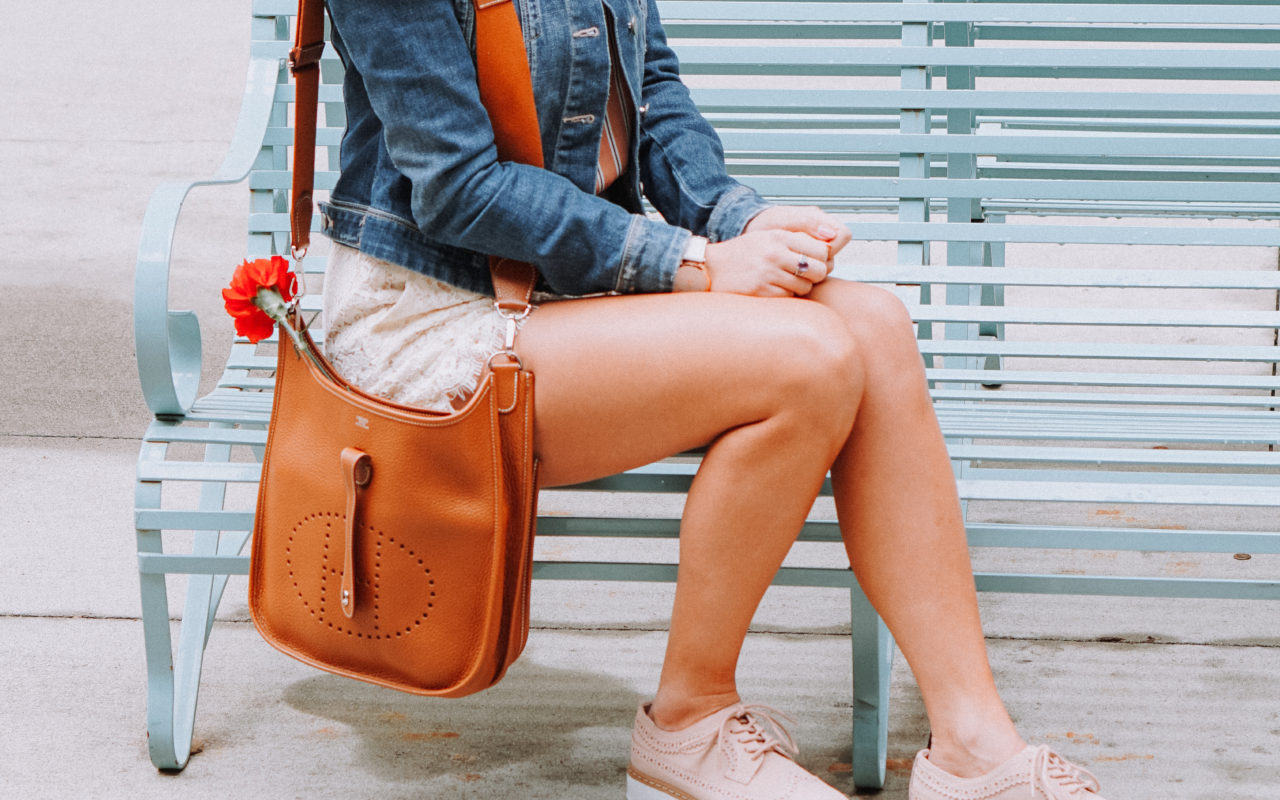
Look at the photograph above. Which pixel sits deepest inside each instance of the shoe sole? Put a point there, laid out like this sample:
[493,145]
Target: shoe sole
[642,787]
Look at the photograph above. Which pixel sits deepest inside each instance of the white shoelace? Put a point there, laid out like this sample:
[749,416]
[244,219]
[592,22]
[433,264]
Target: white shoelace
[758,731]
[1048,769]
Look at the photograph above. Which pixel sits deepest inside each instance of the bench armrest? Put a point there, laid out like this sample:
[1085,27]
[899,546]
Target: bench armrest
[167,342]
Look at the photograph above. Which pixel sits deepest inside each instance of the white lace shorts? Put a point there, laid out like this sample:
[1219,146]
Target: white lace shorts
[405,336]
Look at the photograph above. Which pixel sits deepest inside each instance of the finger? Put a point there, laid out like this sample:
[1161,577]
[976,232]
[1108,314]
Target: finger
[811,270]
[816,222]
[786,218]
[799,277]
[790,266]
[806,219]
[843,237]
[807,245]
[819,268]
[792,285]
[814,253]
[836,244]
[774,290]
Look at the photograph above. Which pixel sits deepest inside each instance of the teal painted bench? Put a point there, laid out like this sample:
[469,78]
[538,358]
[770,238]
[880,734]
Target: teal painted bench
[1030,168]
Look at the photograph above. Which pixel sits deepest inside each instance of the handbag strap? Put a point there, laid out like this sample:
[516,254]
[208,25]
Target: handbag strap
[506,90]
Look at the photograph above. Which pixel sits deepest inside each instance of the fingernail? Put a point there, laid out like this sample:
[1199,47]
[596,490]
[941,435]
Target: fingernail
[826,232]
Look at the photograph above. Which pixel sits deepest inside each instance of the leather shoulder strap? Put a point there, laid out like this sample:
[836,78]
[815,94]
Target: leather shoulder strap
[304,63]
[506,90]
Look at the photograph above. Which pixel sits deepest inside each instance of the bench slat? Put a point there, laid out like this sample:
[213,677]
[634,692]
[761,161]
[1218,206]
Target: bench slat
[172,520]
[1003,144]
[838,60]
[836,577]
[1043,378]
[1085,401]
[1187,210]
[1181,352]
[1150,190]
[1040,453]
[1101,538]
[1182,106]
[1064,425]
[1153,33]
[162,432]
[1200,15]
[1102,278]
[1159,317]
[1134,587]
[1119,488]
[650,528]
[150,471]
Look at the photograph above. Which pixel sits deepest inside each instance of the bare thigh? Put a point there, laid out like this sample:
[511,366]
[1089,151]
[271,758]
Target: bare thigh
[624,381]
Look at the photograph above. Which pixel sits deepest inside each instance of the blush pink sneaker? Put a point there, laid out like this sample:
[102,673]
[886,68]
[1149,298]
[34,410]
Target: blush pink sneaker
[738,753]
[1036,773]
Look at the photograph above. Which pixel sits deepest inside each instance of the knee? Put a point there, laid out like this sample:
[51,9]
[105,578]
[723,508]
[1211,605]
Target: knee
[877,320]
[825,372]
[879,315]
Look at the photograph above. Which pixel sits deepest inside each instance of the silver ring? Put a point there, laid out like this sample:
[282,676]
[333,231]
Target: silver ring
[802,267]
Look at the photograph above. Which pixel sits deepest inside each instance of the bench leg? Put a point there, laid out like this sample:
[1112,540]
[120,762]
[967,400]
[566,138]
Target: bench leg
[173,678]
[872,663]
[993,296]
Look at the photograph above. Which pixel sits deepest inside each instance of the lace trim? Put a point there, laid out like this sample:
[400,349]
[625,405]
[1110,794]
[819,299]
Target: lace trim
[405,336]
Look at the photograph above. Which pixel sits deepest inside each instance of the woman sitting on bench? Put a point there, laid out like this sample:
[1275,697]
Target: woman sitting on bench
[717,325]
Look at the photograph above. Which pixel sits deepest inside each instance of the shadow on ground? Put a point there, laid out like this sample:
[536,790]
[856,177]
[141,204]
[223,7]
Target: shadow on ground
[553,725]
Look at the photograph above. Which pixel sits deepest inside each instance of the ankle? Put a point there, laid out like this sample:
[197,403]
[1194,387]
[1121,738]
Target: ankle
[671,711]
[974,751]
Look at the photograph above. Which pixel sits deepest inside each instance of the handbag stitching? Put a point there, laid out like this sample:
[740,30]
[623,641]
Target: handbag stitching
[515,395]
[407,416]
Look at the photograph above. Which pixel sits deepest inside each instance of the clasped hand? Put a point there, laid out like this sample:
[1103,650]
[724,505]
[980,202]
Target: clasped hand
[782,252]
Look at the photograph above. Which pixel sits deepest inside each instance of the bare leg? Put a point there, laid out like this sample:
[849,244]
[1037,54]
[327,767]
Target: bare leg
[627,380]
[896,499]
[775,386]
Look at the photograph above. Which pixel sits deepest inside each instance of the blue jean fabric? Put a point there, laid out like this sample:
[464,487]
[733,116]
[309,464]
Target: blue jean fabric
[422,185]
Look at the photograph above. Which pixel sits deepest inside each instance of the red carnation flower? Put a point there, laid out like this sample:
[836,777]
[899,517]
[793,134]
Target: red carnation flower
[241,297]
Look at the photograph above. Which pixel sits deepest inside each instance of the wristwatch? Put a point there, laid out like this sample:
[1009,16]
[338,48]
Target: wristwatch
[694,256]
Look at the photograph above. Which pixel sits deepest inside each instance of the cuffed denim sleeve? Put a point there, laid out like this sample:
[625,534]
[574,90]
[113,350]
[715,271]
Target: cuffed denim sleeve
[413,62]
[681,157]
[651,256]
[733,211]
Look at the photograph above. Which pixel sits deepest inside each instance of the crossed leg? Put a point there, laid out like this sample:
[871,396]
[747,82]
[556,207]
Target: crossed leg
[781,390]
[900,518]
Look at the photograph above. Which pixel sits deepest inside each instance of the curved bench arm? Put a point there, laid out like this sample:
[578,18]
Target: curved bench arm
[167,342]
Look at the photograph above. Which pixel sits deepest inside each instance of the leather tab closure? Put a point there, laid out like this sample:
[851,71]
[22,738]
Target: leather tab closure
[357,470]
[305,56]
[506,384]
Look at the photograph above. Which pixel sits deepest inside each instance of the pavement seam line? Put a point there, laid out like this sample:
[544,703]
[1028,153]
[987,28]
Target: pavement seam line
[79,436]
[844,635]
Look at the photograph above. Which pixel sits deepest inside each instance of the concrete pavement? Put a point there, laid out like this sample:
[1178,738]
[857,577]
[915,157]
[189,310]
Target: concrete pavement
[1162,698]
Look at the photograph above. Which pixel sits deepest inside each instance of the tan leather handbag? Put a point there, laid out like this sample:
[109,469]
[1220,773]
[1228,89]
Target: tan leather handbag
[393,544]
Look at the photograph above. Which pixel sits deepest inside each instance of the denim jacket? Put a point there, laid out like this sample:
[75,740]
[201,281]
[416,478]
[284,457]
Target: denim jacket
[422,185]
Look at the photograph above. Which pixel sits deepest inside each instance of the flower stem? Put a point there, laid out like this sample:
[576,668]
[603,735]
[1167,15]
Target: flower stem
[274,306]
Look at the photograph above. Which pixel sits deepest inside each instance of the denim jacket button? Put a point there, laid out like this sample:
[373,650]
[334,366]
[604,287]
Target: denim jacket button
[631,25]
